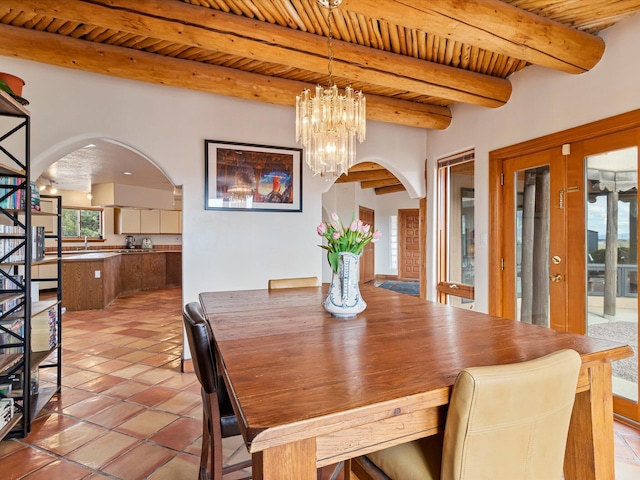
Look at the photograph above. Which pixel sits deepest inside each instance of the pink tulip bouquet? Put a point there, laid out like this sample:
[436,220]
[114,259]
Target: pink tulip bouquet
[345,238]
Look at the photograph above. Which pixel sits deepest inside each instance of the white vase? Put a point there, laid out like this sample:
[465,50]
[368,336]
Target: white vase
[344,299]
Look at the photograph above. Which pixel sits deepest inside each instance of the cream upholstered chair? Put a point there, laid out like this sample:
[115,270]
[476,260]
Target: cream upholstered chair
[505,422]
[293,282]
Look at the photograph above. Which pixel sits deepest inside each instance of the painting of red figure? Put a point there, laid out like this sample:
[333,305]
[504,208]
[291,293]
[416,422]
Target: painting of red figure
[272,169]
[253,177]
[275,187]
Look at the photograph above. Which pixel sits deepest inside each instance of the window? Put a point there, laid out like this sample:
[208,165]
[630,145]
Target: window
[456,231]
[393,241]
[81,222]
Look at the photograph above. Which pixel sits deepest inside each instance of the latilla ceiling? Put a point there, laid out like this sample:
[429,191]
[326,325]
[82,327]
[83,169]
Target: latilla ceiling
[412,58]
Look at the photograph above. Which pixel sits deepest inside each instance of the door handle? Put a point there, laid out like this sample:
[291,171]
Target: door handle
[555,278]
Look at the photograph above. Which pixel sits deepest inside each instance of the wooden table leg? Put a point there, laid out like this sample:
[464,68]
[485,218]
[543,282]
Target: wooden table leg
[293,461]
[590,454]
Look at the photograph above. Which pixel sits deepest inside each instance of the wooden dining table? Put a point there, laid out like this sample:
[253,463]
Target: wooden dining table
[311,390]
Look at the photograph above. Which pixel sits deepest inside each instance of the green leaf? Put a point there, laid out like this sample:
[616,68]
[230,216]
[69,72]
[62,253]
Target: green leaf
[334,259]
[4,86]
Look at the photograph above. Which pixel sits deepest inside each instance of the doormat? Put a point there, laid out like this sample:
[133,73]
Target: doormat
[408,288]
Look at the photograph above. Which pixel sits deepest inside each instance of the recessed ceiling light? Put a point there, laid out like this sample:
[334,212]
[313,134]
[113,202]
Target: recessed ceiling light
[127,173]
[53,190]
[91,145]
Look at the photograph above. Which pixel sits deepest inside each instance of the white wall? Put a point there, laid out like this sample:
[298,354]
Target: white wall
[543,102]
[221,250]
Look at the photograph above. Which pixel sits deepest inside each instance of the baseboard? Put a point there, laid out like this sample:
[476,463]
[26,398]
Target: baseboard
[186,366]
[386,277]
[627,421]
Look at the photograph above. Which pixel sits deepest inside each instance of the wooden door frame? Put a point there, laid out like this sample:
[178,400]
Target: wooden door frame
[371,246]
[588,131]
[423,244]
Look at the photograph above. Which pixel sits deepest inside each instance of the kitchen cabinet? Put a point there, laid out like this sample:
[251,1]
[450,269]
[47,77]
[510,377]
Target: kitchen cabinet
[142,271]
[149,221]
[132,221]
[173,269]
[120,273]
[127,221]
[171,221]
[86,290]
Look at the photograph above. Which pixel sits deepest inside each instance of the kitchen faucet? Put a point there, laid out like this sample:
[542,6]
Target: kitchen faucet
[86,243]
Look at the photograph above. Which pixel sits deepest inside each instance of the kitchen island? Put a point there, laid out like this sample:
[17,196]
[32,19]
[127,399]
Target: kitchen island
[91,281]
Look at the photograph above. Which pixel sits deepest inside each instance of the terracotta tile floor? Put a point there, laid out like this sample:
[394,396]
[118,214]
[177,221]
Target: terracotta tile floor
[126,412]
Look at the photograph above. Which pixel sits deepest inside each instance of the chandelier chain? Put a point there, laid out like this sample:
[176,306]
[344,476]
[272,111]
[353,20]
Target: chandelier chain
[329,123]
[330,44]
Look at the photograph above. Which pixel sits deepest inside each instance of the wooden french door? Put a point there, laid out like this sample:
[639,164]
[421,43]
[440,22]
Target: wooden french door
[409,243]
[534,222]
[367,260]
[568,244]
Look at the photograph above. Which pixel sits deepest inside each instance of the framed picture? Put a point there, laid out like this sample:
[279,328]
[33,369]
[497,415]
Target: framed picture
[242,176]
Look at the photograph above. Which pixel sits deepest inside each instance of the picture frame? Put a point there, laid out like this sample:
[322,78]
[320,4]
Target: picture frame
[250,177]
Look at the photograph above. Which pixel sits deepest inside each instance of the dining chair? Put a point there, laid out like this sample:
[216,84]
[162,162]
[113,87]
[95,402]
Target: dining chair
[219,420]
[293,282]
[504,422]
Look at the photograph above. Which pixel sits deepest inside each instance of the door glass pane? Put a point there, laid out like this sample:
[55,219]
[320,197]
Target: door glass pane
[532,245]
[612,258]
[461,231]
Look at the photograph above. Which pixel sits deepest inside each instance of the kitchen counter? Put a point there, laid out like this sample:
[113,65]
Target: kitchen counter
[92,280]
[79,254]
[86,257]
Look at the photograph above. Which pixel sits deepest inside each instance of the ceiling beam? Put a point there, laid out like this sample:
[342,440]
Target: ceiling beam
[366,166]
[232,34]
[380,183]
[391,189]
[492,25]
[132,64]
[366,176]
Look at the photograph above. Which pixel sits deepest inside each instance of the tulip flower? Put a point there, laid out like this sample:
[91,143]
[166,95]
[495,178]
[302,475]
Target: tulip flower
[340,238]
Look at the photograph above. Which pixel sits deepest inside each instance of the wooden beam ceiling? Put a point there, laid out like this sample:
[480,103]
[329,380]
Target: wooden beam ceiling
[146,67]
[493,25]
[412,58]
[235,35]
[373,175]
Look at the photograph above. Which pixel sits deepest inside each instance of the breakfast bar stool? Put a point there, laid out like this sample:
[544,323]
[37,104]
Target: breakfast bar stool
[505,422]
[219,420]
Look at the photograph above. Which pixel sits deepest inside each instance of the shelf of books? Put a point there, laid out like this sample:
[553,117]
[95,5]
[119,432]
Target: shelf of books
[30,328]
[45,360]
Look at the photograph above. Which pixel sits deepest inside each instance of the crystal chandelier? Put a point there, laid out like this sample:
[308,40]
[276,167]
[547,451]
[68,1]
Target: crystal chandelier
[328,124]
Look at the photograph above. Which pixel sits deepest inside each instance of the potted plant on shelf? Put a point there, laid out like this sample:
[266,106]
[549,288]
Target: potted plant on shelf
[13,86]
